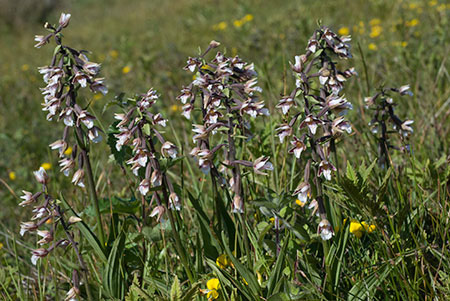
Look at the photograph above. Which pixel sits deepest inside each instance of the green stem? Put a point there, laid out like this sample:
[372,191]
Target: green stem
[328,282]
[246,240]
[93,196]
[179,246]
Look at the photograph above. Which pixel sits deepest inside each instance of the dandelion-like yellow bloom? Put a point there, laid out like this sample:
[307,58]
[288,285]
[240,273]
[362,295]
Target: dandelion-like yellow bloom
[373,47]
[404,44]
[49,221]
[223,261]
[220,26]
[113,54]
[412,23]
[433,3]
[126,69]
[12,175]
[238,23]
[375,31]
[174,108]
[441,8]
[1,246]
[343,31]
[46,165]
[213,286]
[375,22]
[248,18]
[25,67]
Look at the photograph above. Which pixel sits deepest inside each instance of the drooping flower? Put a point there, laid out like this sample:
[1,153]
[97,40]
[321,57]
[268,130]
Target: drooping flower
[38,253]
[64,20]
[326,168]
[41,176]
[261,164]
[26,227]
[174,201]
[303,191]
[169,149]
[77,178]
[298,147]
[325,229]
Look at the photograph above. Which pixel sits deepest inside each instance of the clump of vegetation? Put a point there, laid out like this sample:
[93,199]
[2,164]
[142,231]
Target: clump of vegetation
[214,207]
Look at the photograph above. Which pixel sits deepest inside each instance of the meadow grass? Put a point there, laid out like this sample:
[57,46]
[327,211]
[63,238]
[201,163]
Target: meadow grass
[143,44]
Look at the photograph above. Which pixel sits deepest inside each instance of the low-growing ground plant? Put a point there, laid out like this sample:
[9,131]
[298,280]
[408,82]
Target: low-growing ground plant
[222,211]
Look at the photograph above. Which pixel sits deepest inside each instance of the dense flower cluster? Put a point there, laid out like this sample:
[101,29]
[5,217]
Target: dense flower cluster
[136,128]
[385,121]
[48,216]
[69,71]
[319,85]
[226,88]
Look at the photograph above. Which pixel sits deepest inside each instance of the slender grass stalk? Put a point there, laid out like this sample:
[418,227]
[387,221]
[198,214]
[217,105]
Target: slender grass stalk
[93,195]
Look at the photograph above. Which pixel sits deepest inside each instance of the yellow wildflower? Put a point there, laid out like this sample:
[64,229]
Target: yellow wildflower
[362,27]
[1,246]
[25,67]
[375,31]
[174,108]
[220,26]
[213,286]
[368,228]
[359,228]
[404,44]
[238,23]
[46,165]
[68,151]
[356,228]
[272,220]
[223,261]
[412,23]
[113,54]
[12,175]
[126,69]
[433,3]
[343,31]
[300,203]
[49,221]
[375,22]
[441,7]
[373,47]
[248,18]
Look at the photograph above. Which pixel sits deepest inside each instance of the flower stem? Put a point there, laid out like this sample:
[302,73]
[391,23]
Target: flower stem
[93,196]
